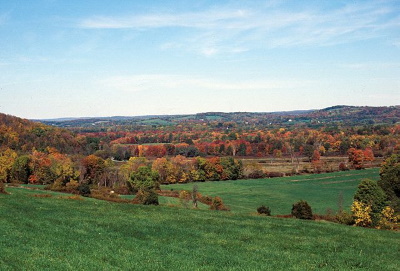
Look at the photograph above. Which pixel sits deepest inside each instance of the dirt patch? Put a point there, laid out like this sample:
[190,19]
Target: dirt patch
[42,195]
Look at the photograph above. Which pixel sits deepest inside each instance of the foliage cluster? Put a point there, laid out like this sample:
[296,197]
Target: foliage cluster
[264,210]
[374,202]
[302,210]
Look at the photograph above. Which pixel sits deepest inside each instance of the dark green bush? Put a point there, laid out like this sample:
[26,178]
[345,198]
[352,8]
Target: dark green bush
[146,197]
[84,190]
[264,210]
[302,210]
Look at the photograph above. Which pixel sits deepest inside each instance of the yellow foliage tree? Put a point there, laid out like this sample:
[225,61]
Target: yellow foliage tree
[7,159]
[388,220]
[362,214]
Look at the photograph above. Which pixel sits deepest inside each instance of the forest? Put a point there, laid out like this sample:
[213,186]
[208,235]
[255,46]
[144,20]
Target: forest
[140,190]
[136,158]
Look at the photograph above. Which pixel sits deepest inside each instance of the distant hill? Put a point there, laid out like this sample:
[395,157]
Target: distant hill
[23,135]
[340,114]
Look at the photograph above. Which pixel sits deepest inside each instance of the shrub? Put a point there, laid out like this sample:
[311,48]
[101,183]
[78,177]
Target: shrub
[72,186]
[184,197]
[387,220]
[254,171]
[264,210]
[206,200]
[343,167]
[217,204]
[345,218]
[302,210]
[275,174]
[146,197]
[361,214]
[84,190]
[2,188]
[121,189]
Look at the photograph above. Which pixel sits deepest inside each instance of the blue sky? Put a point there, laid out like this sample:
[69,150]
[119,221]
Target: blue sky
[106,58]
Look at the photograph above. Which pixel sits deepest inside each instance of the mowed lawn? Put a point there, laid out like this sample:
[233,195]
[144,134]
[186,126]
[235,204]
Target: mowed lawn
[56,233]
[321,191]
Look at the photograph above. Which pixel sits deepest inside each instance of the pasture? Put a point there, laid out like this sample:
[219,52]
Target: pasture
[57,233]
[322,191]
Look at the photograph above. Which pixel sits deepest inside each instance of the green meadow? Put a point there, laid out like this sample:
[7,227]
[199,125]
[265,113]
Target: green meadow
[322,191]
[53,232]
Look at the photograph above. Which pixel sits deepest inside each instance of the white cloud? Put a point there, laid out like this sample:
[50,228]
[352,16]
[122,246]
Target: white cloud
[165,82]
[224,30]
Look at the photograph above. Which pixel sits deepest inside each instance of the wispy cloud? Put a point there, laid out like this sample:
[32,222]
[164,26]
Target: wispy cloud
[228,30]
[371,66]
[207,19]
[165,82]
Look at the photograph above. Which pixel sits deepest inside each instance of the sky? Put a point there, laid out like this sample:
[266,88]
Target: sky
[70,58]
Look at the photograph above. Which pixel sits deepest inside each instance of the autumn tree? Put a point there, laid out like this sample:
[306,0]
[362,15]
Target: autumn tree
[316,161]
[165,170]
[92,169]
[21,170]
[356,158]
[7,159]
[62,167]
[180,169]
[41,166]
[232,168]
[369,155]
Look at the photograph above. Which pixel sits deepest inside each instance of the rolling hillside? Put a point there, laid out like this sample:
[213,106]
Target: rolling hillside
[57,233]
[349,115]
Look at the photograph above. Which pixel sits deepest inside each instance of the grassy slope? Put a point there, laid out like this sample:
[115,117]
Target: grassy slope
[60,234]
[321,191]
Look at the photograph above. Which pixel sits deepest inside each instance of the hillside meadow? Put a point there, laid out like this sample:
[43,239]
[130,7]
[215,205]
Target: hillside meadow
[53,232]
[322,191]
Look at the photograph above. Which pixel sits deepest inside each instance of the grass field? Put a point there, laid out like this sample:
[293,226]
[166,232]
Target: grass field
[283,164]
[322,191]
[52,233]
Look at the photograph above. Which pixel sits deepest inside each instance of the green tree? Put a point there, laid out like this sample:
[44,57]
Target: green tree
[390,180]
[233,169]
[145,181]
[20,170]
[371,194]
